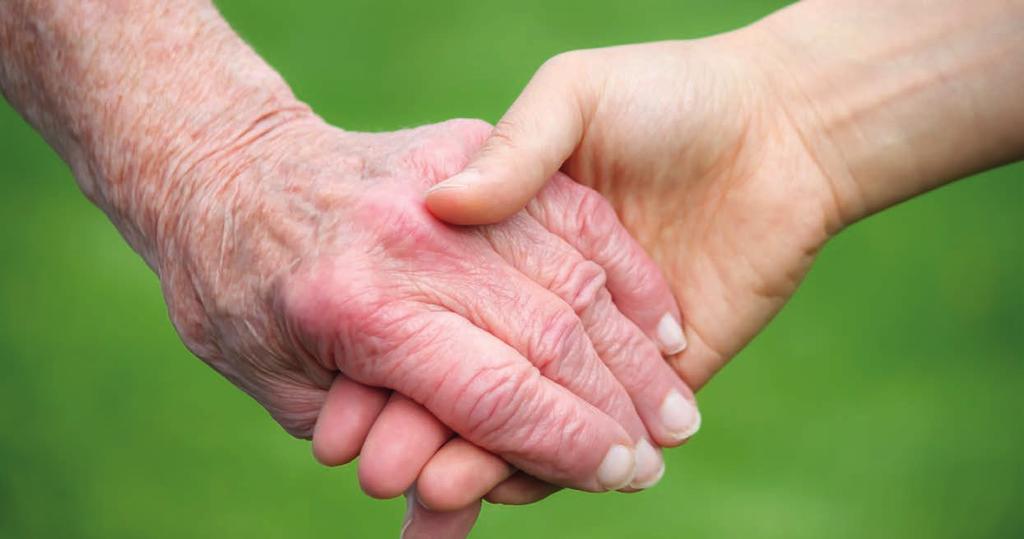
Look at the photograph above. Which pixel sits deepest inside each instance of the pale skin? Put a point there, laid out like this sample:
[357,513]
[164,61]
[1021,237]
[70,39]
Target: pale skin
[734,159]
[290,250]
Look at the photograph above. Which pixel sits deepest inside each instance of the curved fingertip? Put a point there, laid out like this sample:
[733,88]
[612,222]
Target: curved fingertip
[618,468]
[670,335]
[679,416]
[650,466]
[345,418]
[464,199]
[529,144]
[401,441]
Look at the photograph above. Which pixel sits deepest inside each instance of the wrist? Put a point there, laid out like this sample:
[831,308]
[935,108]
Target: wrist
[153,188]
[172,134]
[896,100]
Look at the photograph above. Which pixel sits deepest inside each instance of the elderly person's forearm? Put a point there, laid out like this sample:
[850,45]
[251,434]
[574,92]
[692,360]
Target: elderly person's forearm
[289,250]
[113,87]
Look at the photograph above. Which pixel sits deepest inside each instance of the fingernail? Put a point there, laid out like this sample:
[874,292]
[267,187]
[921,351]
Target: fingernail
[670,335]
[458,181]
[679,416]
[649,466]
[410,499]
[617,468]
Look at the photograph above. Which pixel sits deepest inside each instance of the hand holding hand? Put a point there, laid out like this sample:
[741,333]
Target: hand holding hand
[289,250]
[690,143]
[733,159]
[308,251]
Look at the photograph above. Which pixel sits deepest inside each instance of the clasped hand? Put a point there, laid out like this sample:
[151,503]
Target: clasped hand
[311,253]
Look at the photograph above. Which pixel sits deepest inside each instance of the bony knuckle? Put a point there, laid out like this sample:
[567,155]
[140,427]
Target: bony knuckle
[561,335]
[579,284]
[305,305]
[329,305]
[595,217]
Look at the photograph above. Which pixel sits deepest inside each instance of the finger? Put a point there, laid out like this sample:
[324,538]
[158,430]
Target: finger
[399,444]
[458,475]
[586,220]
[543,328]
[663,401]
[491,395]
[423,523]
[469,379]
[520,489]
[344,420]
[538,133]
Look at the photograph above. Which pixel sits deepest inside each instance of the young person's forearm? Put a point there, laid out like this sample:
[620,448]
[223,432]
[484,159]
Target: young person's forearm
[907,95]
[133,94]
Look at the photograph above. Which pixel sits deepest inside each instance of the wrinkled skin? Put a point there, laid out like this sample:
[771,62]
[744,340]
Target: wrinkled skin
[699,149]
[309,251]
[703,158]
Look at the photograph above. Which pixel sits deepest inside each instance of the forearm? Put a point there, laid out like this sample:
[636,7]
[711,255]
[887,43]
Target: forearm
[905,96]
[133,95]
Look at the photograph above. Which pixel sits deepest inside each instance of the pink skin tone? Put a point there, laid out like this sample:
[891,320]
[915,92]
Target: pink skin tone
[409,303]
[289,250]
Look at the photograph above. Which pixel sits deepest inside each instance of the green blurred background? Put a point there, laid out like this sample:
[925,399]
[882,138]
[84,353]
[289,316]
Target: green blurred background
[885,401]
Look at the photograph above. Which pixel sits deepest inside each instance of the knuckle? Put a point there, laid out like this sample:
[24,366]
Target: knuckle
[312,312]
[563,63]
[561,335]
[469,129]
[579,283]
[504,138]
[341,316]
[595,219]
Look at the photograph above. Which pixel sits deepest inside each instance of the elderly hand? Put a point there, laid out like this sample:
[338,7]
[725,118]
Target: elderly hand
[289,250]
[308,250]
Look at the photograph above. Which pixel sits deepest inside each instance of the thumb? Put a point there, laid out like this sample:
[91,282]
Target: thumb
[529,144]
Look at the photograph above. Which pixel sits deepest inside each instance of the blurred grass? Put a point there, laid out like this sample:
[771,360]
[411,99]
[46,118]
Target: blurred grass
[885,401]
